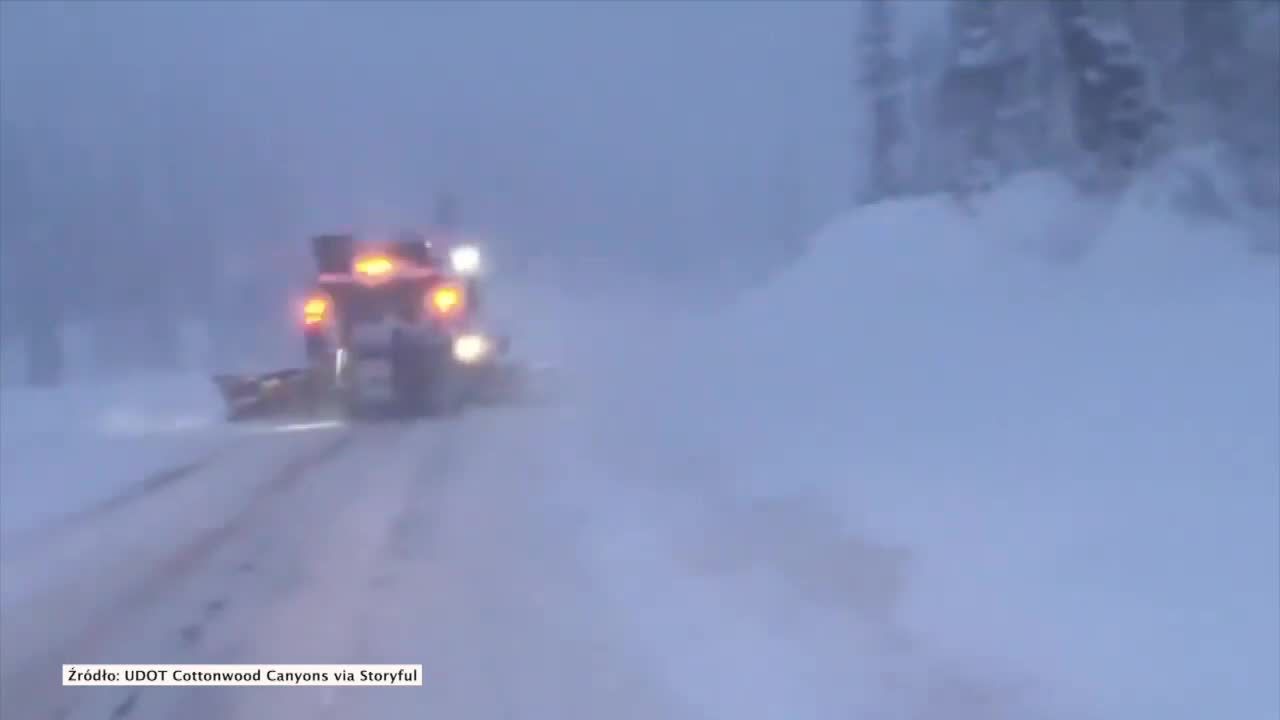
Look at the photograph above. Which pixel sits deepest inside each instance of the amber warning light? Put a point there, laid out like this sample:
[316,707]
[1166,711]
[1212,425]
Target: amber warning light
[374,266]
[315,310]
[445,299]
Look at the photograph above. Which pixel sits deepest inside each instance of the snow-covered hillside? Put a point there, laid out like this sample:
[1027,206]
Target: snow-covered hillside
[1074,468]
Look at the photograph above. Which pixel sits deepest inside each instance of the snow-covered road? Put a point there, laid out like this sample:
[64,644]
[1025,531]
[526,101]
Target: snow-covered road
[408,543]
[528,581]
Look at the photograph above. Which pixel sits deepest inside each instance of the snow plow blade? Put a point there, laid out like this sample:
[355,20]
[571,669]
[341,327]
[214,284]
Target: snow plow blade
[282,393]
[298,393]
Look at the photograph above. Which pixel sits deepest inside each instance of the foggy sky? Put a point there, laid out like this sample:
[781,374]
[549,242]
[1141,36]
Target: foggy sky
[597,128]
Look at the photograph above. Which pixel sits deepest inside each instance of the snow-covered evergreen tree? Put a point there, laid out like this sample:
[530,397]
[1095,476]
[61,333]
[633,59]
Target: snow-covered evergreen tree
[1115,118]
[881,85]
[985,93]
[971,94]
[38,177]
[1028,122]
[1230,68]
[1257,116]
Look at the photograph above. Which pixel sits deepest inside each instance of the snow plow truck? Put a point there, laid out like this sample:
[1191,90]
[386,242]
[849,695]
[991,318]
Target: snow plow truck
[390,328]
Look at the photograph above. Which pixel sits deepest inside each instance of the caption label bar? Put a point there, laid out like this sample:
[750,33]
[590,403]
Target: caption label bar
[223,675]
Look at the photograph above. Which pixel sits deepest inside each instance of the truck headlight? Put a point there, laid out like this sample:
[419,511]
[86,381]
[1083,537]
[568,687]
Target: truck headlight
[465,259]
[469,349]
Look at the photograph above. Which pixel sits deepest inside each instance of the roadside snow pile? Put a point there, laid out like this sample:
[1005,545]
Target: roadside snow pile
[916,306]
[1080,461]
[1086,457]
[140,405]
[63,449]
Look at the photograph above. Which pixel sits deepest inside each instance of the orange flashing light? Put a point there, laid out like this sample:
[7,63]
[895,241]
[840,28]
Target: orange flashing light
[445,299]
[315,310]
[374,265]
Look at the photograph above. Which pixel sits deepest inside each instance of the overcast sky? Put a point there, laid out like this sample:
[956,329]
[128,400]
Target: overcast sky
[601,124]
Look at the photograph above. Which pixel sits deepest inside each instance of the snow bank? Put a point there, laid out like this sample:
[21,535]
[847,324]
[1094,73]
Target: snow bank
[142,404]
[929,453]
[65,448]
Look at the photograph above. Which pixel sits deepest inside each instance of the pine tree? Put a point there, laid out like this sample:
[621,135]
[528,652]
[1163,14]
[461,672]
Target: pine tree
[1258,114]
[1030,84]
[40,173]
[971,94]
[880,85]
[1212,53]
[1114,117]
[1234,82]
[995,92]
[15,203]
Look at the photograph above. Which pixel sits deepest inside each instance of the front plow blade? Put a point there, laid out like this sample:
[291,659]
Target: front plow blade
[284,393]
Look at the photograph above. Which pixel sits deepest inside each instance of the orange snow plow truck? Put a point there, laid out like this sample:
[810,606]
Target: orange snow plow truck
[391,327]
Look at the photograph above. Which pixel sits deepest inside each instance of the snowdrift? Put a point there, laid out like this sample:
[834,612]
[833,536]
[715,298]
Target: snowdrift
[1038,481]
[1089,451]
[63,449]
[140,404]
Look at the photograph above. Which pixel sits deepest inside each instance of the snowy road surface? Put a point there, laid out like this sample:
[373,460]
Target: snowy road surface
[466,547]
[407,543]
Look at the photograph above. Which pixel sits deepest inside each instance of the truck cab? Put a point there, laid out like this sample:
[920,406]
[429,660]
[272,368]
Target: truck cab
[393,318]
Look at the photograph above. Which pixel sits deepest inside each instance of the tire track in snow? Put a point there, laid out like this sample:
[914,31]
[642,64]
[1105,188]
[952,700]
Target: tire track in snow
[488,590]
[33,688]
[150,484]
[324,617]
[222,612]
